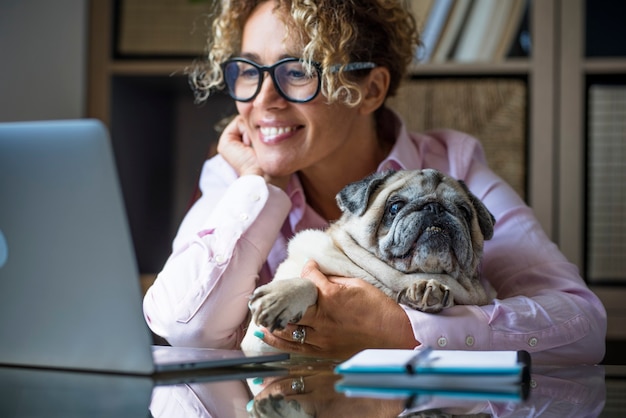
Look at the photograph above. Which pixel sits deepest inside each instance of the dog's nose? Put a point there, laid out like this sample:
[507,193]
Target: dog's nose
[434,207]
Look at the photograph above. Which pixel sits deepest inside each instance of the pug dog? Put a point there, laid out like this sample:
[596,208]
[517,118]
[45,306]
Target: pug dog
[417,235]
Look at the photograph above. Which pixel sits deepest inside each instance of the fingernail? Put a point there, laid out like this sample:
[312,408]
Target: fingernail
[259,334]
[257,381]
[250,405]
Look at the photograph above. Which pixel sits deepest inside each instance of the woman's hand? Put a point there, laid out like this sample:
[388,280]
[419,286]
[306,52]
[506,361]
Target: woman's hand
[350,315]
[236,148]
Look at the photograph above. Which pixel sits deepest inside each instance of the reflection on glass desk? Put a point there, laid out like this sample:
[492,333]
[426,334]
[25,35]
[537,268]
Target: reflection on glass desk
[297,389]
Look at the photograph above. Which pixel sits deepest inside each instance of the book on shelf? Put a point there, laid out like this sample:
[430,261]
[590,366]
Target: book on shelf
[521,44]
[437,371]
[433,26]
[450,34]
[510,31]
[469,30]
[497,24]
[606,184]
[420,10]
[475,30]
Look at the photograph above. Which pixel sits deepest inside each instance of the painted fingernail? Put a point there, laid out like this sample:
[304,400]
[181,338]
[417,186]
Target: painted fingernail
[257,381]
[250,405]
[259,334]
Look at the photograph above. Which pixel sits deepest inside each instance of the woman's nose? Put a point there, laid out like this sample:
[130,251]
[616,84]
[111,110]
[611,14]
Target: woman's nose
[268,95]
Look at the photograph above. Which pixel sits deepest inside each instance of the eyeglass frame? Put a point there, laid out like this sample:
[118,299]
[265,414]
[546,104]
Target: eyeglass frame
[352,66]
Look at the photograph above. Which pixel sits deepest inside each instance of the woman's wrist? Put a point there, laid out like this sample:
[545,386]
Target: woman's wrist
[405,337]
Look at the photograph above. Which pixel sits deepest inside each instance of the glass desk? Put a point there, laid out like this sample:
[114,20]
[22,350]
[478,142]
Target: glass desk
[296,389]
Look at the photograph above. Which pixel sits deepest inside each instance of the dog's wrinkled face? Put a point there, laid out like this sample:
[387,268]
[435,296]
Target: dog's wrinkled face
[417,221]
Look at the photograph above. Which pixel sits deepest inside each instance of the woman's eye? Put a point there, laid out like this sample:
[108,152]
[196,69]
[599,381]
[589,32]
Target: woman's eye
[249,73]
[295,74]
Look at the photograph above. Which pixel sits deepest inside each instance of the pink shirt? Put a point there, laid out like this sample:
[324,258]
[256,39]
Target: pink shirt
[235,235]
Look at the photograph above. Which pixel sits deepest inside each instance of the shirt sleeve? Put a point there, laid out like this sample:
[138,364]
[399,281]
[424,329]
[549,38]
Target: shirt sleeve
[542,306]
[228,398]
[200,297]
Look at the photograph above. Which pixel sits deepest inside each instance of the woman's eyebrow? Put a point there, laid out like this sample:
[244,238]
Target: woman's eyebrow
[250,56]
[256,58]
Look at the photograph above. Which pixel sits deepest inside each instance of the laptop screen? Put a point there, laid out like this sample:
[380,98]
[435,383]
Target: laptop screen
[69,289]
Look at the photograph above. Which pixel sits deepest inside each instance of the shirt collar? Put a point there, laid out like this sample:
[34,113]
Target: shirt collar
[298,201]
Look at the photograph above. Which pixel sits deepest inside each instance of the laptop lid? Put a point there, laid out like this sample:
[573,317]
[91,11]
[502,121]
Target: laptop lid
[69,291]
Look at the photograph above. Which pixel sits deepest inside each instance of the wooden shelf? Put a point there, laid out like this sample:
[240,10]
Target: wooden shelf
[571,136]
[150,67]
[512,66]
[604,65]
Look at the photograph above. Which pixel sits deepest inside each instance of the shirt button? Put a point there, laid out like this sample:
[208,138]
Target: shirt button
[255,197]
[533,341]
[469,341]
[219,259]
[243,216]
[442,341]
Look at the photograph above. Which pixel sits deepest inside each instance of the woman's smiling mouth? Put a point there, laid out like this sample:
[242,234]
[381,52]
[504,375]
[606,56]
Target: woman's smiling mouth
[273,133]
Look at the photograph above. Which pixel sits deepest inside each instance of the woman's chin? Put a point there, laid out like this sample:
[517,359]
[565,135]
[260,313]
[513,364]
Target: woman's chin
[278,168]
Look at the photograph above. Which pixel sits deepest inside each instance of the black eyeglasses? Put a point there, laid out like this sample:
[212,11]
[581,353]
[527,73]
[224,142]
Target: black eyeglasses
[292,79]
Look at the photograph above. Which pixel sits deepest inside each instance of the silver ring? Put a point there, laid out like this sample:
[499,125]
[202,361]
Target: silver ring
[299,334]
[297,385]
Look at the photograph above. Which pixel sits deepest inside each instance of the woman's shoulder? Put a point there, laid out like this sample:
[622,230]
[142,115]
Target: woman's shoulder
[449,150]
[449,141]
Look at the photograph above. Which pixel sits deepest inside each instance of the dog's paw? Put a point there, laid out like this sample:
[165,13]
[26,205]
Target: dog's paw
[426,296]
[280,302]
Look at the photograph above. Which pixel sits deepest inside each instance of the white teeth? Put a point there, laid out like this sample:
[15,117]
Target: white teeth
[275,131]
[433,229]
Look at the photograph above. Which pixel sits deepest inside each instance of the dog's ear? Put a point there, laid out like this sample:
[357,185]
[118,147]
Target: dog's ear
[486,220]
[355,196]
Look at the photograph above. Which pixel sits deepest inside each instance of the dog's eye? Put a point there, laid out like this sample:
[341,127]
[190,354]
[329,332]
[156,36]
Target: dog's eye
[466,212]
[395,207]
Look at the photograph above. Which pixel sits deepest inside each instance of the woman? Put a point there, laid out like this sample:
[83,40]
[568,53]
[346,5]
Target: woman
[316,122]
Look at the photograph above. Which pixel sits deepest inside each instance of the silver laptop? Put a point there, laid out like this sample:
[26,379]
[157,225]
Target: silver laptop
[69,291]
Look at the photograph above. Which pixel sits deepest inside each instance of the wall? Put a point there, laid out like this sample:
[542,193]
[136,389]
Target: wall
[43,45]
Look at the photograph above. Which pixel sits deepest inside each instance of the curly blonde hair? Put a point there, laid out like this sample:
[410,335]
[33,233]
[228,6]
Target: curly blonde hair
[331,32]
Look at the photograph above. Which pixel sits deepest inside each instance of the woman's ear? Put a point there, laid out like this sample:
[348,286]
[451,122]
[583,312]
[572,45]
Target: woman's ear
[375,87]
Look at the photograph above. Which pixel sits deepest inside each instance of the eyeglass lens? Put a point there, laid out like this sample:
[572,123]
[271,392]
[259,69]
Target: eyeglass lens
[291,78]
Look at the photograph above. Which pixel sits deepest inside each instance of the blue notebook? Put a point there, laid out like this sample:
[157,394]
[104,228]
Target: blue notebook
[452,370]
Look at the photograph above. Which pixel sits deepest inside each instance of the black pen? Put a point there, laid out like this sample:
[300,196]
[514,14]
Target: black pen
[421,355]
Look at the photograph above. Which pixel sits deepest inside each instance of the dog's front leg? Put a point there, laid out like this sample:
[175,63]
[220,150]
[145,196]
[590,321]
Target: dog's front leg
[276,304]
[434,292]
[426,295]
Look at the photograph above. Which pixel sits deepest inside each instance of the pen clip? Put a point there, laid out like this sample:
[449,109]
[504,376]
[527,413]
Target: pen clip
[418,358]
